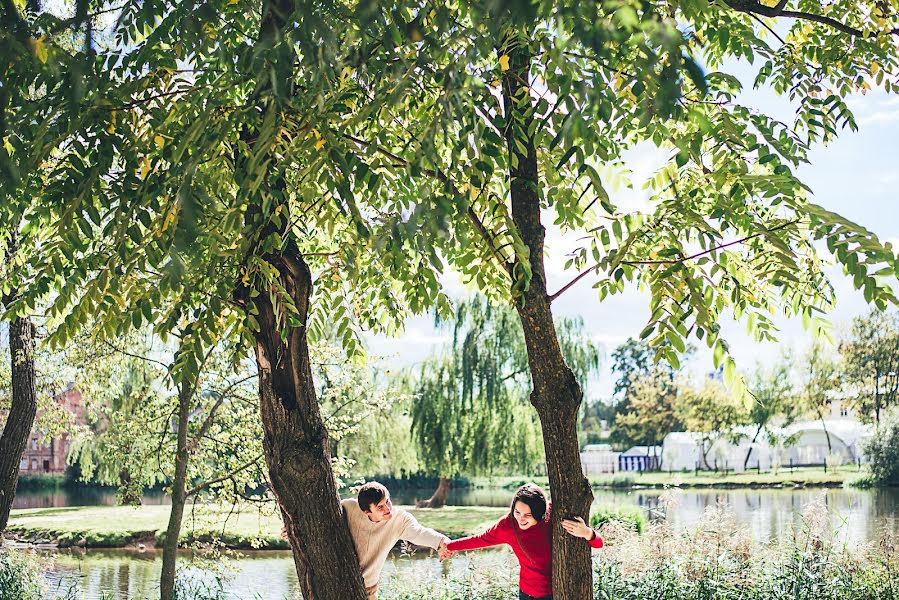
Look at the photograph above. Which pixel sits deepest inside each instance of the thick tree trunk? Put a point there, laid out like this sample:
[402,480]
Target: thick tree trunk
[22,410]
[179,497]
[295,440]
[296,445]
[556,394]
[438,500]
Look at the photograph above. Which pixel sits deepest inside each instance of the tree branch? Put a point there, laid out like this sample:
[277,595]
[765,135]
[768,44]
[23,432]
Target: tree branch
[202,486]
[753,7]
[672,261]
[440,176]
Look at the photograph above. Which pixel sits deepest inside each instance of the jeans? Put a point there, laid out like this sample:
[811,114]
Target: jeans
[523,596]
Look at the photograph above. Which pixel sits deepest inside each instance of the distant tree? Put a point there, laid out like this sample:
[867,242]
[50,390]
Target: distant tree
[882,450]
[470,410]
[712,412]
[652,412]
[772,398]
[819,380]
[635,361]
[871,363]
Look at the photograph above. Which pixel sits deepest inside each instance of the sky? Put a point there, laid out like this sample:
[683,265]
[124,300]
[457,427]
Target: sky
[855,176]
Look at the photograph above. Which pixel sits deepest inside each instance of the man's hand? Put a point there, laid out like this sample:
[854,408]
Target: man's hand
[284,534]
[443,552]
[578,528]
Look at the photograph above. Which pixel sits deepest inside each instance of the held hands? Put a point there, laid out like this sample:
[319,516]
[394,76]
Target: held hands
[578,528]
[284,534]
[443,552]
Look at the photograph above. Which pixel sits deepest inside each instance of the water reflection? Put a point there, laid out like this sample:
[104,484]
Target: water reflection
[264,575]
[78,496]
[860,515]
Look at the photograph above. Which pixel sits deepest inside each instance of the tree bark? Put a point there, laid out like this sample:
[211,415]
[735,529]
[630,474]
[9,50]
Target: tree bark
[296,445]
[556,394]
[179,497]
[438,500]
[22,410]
[295,440]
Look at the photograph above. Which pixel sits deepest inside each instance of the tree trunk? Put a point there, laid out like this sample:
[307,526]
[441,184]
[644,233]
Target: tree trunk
[826,434]
[296,445]
[22,410]
[556,393]
[179,497]
[438,500]
[295,440]
[749,452]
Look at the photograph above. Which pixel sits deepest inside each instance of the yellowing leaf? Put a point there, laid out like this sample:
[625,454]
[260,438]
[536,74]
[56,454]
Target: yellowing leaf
[278,209]
[504,62]
[233,1]
[144,168]
[319,143]
[160,141]
[347,71]
[40,49]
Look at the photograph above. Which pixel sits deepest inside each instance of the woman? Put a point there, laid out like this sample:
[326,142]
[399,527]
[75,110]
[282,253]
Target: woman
[527,530]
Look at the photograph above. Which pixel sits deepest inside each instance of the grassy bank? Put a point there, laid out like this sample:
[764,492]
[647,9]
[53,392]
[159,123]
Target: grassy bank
[797,477]
[123,526]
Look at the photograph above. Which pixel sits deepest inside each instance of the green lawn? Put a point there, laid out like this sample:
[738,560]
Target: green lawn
[120,526]
[800,476]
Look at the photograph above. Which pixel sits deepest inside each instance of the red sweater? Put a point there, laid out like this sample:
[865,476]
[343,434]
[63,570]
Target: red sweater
[535,558]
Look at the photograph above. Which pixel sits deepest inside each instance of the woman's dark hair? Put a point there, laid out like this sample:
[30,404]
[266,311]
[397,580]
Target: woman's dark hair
[532,495]
[371,493]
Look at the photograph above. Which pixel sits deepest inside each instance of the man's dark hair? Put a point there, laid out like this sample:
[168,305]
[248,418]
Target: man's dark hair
[371,493]
[532,495]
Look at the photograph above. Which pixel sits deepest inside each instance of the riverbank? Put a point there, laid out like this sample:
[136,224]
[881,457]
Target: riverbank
[144,526]
[798,477]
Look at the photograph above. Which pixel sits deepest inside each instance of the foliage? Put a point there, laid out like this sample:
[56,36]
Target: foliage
[711,411]
[630,517]
[634,360]
[818,381]
[652,412]
[21,577]
[870,355]
[714,560]
[364,410]
[131,403]
[772,400]
[882,451]
[470,413]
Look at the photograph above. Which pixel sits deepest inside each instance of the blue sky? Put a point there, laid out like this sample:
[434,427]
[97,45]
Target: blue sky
[856,176]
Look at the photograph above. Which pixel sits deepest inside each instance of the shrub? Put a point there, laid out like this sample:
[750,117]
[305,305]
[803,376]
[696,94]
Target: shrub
[882,451]
[20,576]
[631,517]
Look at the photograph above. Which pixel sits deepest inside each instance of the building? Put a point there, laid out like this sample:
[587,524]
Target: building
[50,458]
[597,459]
[640,458]
[837,439]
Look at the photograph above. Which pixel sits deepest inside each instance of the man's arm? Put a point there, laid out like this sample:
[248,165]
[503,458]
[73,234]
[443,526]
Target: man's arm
[418,534]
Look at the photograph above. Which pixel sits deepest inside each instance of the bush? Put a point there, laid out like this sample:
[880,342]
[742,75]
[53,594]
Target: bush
[631,517]
[882,451]
[20,576]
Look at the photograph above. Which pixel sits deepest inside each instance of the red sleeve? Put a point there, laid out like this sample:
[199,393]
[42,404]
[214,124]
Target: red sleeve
[496,535]
[596,542]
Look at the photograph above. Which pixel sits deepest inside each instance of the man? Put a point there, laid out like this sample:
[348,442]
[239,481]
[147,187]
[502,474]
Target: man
[376,526]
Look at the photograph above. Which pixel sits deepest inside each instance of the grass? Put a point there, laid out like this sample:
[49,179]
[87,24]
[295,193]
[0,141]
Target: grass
[797,477]
[122,526]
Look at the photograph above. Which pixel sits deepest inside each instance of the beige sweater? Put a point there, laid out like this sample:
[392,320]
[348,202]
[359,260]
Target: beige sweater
[373,541]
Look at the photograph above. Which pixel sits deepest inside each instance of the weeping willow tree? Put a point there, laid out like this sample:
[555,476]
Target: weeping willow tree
[470,409]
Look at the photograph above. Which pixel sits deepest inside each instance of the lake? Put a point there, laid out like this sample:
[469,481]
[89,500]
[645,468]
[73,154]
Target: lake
[858,515]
